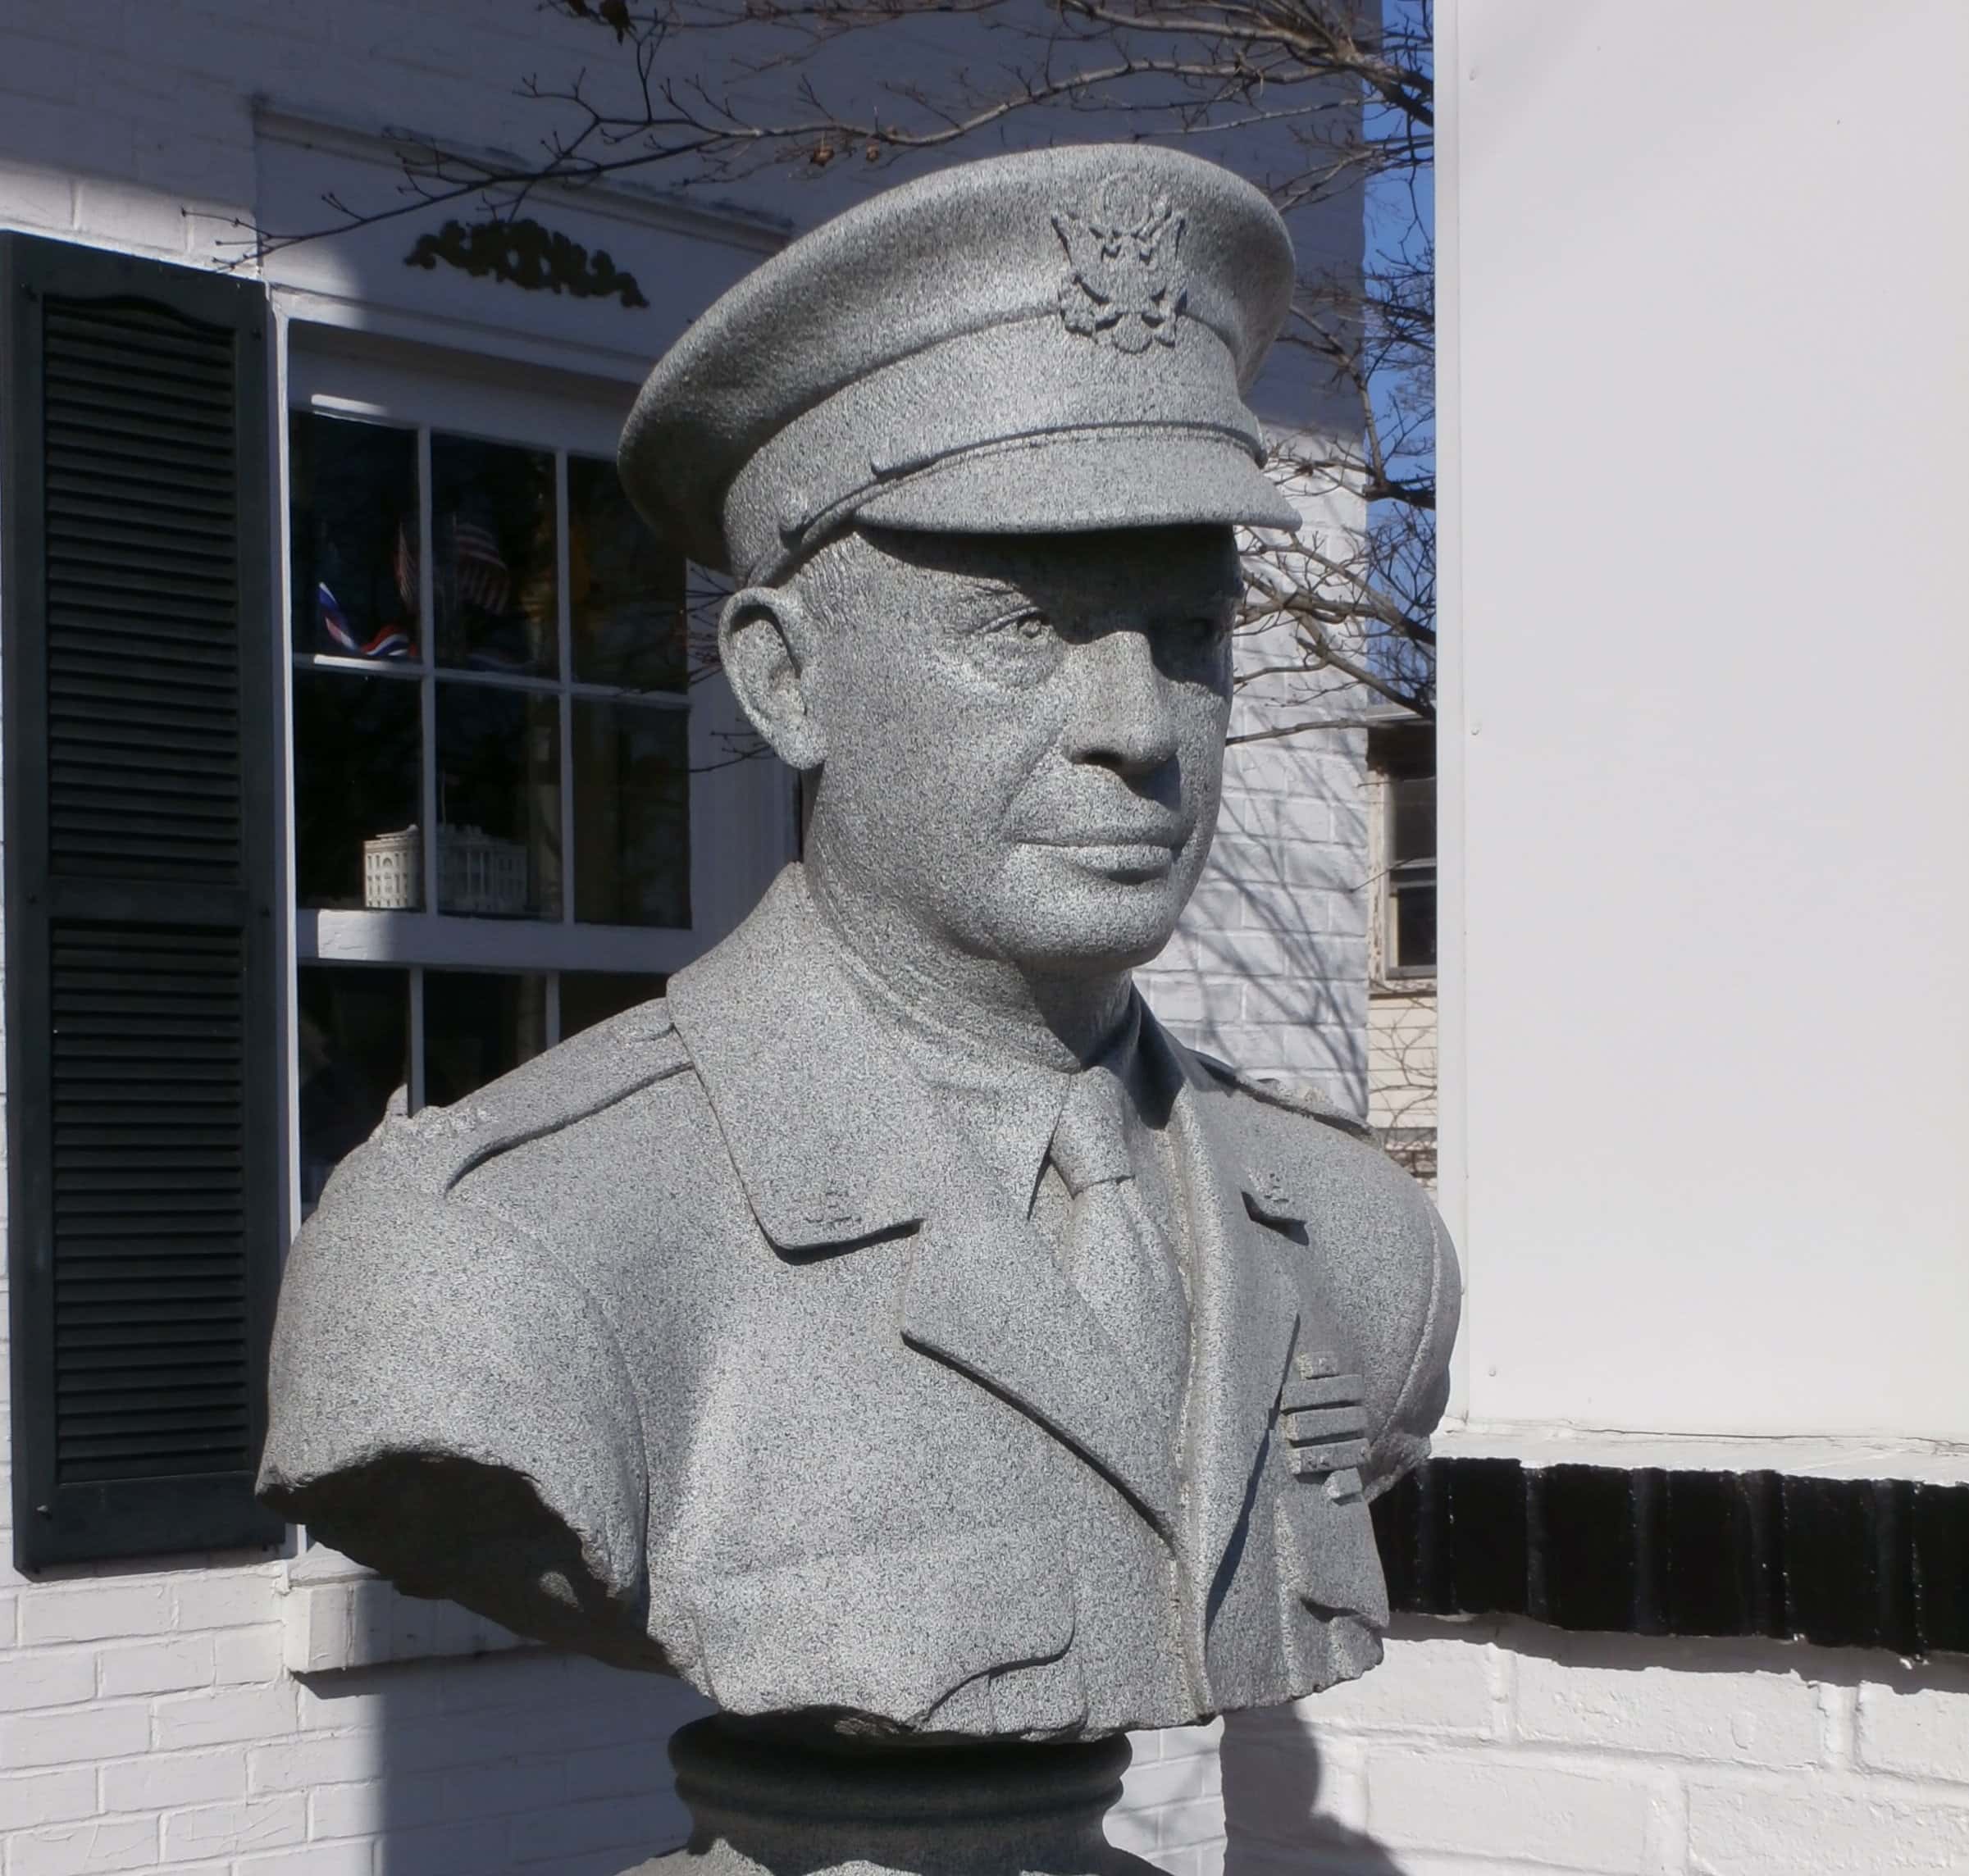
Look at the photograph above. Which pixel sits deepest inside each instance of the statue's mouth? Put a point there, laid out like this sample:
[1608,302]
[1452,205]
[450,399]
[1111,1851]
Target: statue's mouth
[1120,854]
[1159,834]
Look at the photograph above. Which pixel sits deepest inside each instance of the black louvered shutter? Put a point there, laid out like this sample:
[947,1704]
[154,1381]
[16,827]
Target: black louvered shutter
[140,737]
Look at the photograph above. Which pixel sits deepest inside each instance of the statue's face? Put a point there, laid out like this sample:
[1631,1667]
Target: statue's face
[1024,734]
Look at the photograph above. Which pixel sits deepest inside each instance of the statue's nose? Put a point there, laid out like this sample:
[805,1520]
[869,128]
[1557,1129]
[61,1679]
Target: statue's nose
[1121,715]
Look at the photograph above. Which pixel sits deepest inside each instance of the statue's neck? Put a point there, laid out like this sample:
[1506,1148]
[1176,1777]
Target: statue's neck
[1060,1019]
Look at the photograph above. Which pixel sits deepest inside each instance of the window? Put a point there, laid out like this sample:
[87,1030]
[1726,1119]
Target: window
[490,748]
[1402,841]
[1402,1071]
[1408,934]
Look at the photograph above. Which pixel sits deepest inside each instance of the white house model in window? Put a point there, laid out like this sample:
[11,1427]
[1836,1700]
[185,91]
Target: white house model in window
[478,874]
[393,870]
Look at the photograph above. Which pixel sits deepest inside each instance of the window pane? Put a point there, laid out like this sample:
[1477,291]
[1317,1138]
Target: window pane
[358,771]
[590,997]
[625,598]
[1413,830]
[353,535]
[355,1053]
[477,1025]
[1415,923]
[498,801]
[632,814]
[492,547]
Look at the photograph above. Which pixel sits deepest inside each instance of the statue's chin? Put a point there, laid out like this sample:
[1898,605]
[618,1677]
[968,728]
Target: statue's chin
[1095,908]
[1094,939]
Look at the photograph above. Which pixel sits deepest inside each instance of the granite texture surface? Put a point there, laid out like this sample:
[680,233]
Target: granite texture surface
[1059,338]
[895,1332]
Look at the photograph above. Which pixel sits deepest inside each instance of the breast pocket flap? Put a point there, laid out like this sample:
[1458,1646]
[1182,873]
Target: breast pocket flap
[889,1631]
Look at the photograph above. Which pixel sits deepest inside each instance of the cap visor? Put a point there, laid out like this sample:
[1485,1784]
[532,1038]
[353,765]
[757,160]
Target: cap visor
[1075,482]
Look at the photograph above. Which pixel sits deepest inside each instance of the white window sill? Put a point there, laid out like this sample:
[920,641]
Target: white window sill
[1540,1445]
[337,1615]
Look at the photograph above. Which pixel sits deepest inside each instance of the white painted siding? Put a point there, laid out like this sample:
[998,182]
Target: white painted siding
[1703,317]
[1401,1069]
[1707,301]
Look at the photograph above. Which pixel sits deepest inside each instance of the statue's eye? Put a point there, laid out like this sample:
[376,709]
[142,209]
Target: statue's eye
[1031,627]
[1202,632]
[1016,647]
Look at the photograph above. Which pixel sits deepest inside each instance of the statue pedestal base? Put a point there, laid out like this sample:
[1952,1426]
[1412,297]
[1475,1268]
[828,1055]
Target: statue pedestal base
[762,1806]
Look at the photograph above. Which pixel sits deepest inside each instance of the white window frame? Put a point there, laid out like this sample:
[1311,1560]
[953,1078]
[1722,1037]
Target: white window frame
[416,388]
[1384,966]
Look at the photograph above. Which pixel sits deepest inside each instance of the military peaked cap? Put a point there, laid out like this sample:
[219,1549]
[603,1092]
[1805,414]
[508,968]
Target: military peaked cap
[1050,342]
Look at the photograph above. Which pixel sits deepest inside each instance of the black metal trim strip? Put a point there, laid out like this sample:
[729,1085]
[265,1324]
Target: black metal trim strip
[1842,1563]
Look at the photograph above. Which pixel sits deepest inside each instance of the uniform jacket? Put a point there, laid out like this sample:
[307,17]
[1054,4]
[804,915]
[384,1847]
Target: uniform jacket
[700,1344]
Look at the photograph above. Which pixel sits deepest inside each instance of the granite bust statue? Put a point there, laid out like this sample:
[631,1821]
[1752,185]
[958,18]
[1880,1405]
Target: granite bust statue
[896,1328]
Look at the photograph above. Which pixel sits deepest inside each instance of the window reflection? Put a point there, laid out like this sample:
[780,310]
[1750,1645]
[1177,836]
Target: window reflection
[477,1025]
[625,589]
[632,814]
[590,997]
[492,510]
[498,801]
[358,775]
[353,536]
[353,1026]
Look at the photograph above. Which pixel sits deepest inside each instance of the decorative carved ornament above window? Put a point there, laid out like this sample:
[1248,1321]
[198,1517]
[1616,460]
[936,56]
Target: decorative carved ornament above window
[527,254]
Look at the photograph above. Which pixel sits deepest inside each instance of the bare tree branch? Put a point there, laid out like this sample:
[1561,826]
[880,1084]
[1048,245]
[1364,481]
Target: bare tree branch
[1346,102]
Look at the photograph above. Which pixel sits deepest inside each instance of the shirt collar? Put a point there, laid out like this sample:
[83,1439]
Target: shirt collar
[1007,1105]
[832,1096]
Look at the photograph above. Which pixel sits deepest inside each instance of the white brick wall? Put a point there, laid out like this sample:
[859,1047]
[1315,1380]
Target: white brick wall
[1503,1749]
[1268,969]
[147,1723]
[130,122]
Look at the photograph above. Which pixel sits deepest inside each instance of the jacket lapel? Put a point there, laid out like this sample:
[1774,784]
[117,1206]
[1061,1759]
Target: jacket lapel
[985,1292]
[836,1141]
[1245,1306]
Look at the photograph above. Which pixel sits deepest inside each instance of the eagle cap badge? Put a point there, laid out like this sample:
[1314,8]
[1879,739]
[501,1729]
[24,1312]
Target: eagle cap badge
[1121,286]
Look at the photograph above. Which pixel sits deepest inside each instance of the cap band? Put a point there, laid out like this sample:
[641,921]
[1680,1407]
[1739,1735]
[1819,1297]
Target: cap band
[1026,379]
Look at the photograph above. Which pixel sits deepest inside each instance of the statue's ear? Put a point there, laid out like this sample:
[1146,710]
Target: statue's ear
[765,638]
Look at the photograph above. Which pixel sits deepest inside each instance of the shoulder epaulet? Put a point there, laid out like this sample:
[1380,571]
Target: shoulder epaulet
[1295,1097]
[436,1148]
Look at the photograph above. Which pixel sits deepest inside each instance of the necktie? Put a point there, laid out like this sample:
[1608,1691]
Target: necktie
[1117,1256]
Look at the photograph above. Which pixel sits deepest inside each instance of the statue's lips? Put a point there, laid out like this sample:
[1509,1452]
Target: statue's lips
[1117,850]
[1169,837]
